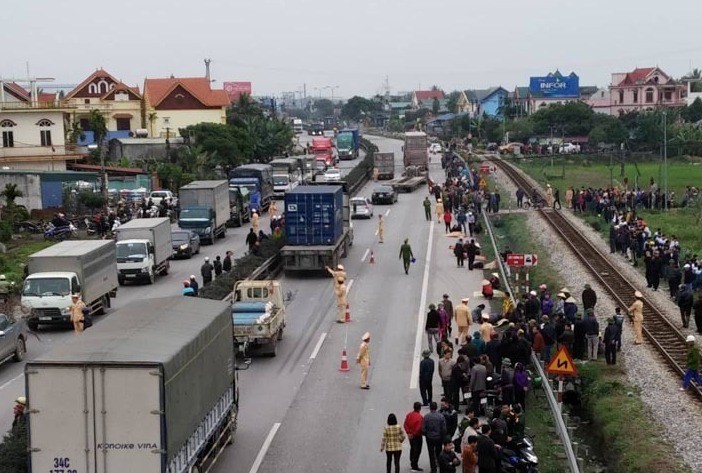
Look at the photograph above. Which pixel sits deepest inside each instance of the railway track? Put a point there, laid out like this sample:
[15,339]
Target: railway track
[657,329]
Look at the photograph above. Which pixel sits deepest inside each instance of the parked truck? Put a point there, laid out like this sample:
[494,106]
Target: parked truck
[323,148]
[258,316]
[239,202]
[318,227]
[144,249]
[415,150]
[258,179]
[348,143]
[385,164]
[151,389]
[204,209]
[85,267]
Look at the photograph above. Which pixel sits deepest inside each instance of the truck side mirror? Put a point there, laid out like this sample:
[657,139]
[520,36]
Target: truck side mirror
[76,289]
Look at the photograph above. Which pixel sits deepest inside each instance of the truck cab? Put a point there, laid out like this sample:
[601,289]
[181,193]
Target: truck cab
[135,261]
[49,295]
[200,220]
[323,148]
[283,183]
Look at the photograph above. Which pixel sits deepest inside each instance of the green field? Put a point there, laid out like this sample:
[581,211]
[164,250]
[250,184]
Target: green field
[595,172]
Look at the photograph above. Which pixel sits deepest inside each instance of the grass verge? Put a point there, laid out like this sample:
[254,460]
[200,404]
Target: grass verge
[614,407]
[12,263]
[541,426]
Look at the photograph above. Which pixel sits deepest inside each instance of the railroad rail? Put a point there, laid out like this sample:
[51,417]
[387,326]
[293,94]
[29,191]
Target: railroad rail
[662,334]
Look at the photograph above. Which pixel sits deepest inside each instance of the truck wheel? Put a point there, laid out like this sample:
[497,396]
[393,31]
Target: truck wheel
[164,272]
[33,325]
[104,303]
[273,350]
[20,350]
[280,333]
[120,280]
[152,277]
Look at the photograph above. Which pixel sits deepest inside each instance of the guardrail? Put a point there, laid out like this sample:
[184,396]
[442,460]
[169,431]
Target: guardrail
[561,427]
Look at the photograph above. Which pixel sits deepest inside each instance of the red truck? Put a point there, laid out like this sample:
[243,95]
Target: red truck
[323,148]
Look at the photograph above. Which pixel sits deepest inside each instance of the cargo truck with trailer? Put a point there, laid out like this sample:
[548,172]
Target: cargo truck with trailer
[318,228]
[385,164]
[204,209]
[151,390]
[348,143]
[85,267]
[258,178]
[415,151]
[144,249]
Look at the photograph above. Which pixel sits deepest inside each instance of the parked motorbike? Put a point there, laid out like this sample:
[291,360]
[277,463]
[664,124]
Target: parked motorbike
[60,233]
[519,456]
[31,227]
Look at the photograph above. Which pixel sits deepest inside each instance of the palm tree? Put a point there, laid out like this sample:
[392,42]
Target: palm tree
[694,76]
[10,194]
[152,118]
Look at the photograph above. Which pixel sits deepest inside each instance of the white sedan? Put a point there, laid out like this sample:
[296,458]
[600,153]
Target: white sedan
[361,207]
[435,148]
[332,175]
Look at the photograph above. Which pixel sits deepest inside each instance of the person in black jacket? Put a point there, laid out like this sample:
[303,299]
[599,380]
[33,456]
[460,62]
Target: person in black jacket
[685,300]
[610,342]
[697,309]
[458,251]
[492,350]
[589,297]
[674,278]
[579,339]
[448,459]
[217,266]
[488,457]
[426,377]
[434,430]
[431,326]
[227,262]
[450,415]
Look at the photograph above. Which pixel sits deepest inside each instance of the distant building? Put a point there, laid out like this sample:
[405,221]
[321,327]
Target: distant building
[32,130]
[119,104]
[600,101]
[483,102]
[176,102]
[46,189]
[425,98]
[644,88]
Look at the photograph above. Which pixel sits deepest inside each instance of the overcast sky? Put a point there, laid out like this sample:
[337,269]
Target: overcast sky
[279,45]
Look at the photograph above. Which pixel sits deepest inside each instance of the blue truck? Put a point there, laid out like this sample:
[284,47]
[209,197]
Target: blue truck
[348,142]
[257,179]
[318,228]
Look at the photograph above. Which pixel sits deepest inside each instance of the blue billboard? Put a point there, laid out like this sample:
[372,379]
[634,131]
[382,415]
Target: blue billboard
[555,86]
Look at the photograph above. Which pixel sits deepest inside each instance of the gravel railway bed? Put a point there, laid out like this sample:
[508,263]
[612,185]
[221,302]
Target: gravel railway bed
[663,335]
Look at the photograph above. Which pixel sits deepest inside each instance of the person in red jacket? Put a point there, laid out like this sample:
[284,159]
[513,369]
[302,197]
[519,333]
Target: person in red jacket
[447,220]
[413,428]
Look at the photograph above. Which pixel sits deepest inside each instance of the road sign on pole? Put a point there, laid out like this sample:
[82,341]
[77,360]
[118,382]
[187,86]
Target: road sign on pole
[562,364]
[518,259]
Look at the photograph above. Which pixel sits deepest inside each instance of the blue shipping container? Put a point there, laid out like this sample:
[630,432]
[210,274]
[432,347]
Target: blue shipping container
[314,215]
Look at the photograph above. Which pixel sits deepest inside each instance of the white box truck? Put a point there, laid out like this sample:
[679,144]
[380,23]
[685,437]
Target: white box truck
[150,389]
[85,267]
[144,249]
[204,208]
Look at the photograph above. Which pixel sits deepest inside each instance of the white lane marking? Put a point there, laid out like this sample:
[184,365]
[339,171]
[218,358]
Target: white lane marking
[387,212]
[264,448]
[318,346]
[348,287]
[11,381]
[376,233]
[364,255]
[414,380]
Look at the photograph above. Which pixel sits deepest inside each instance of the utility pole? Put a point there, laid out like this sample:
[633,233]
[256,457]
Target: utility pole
[665,159]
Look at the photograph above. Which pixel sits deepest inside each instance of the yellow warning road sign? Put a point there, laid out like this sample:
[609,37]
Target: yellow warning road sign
[562,364]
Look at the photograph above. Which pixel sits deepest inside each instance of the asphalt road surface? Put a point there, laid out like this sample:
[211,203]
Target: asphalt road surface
[299,413]
[12,374]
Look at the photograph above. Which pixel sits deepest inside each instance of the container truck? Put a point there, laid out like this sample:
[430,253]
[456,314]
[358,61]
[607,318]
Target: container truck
[258,316]
[318,228]
[85,267]
[152,389]
[144,249]
[258,178]
[385,164]
[415,150]
[204,209]
[323,148]
[348,143]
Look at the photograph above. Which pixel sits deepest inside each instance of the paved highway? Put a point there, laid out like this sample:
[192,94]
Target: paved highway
[299,413]
[11,374]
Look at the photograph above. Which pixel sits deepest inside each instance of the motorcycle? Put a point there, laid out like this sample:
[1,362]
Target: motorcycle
[519,456]
[31,227]
[60,233]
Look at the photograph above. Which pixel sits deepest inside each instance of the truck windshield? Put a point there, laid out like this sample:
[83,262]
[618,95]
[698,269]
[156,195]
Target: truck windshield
[280,180]
[194,213]
[46,287]
[130,252]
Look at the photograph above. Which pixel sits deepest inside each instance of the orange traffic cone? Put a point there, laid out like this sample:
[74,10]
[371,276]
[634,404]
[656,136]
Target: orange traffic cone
[348,313]
[372,258]
[344,361]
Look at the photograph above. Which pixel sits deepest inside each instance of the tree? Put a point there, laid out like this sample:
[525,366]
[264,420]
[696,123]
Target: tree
[696,76]
[693,112]
[607,130]
[10,194]
[244,108]
[356,107]
[324,108]
[229,145]
[435,106]
[452,101]
[91,200]
[98,126]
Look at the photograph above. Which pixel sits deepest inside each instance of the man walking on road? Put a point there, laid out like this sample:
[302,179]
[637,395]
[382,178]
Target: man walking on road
[426,377]
[363,359]
[427,209]
[227,263]
[406,255]
[462,316]
[206,271]
[413,429]
[434,430]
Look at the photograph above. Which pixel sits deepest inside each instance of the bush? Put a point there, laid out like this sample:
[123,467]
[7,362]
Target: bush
[5,231]
[91,199]
[13,450]
[241,269]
